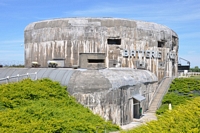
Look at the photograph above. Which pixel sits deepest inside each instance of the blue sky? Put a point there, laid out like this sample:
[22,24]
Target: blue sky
[183,16]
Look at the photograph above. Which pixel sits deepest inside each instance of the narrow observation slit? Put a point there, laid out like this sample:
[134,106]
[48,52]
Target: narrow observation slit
[95,60]
[161,44]
[114,41]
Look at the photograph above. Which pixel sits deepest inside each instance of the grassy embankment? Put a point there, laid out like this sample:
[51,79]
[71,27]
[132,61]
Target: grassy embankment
[45,106]
[180,91]
[184,119]
[184,95]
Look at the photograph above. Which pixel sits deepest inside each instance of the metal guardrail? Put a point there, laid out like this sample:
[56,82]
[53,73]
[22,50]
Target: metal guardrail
[188,74]
[193,73]
[157,88]
[166,90]
[17,77]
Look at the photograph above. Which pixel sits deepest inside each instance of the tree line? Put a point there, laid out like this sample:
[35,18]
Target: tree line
[195,69]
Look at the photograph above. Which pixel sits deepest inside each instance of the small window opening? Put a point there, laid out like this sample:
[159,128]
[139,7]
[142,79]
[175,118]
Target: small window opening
[95,60]
[172,63]
[114,41]
[161,44]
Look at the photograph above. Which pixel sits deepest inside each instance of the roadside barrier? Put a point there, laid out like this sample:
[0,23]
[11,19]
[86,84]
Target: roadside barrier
[18,77]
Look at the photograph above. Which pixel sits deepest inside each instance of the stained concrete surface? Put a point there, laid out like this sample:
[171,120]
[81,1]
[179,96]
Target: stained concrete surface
[110,93]
[146,117]
[134,44]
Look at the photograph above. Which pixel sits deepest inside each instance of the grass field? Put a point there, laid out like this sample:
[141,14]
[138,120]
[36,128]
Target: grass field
[181,90]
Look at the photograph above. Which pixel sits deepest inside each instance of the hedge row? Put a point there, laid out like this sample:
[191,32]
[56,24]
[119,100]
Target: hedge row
[45,106]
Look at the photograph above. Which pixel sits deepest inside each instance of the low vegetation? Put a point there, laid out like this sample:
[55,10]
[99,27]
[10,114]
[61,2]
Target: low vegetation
[14,66]
[195,69]
[184,95]
[184,119]
[44,106]
[181,90]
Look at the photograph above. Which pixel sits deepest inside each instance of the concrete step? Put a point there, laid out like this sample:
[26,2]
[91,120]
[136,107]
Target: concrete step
[152,111]
[162,89]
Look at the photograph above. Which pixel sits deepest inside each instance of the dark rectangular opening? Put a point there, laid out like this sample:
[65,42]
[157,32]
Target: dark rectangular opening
[58,59]
[183,67]
[114,41]
[95,60]
[161,44]
[174,40]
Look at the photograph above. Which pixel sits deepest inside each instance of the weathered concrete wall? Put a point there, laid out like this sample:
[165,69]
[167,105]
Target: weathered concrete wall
[90,60]
[109,92]
[141,45]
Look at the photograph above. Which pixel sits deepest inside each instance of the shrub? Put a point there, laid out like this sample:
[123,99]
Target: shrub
[183,119]
[181,90]
[45,106]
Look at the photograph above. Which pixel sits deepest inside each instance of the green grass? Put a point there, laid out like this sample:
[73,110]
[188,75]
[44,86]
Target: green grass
[45,106]
[181,90]
[184,95]
[184,119]
[196,77]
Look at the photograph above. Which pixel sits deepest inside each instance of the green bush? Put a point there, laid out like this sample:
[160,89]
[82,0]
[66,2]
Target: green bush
[184,119]
[181,90]
[45,106]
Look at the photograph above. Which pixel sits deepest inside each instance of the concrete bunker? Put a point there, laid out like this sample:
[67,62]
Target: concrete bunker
[92,60]
[161,44]
[137,99]
[115,94]
[124,43]
[118,61]
[114,41]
